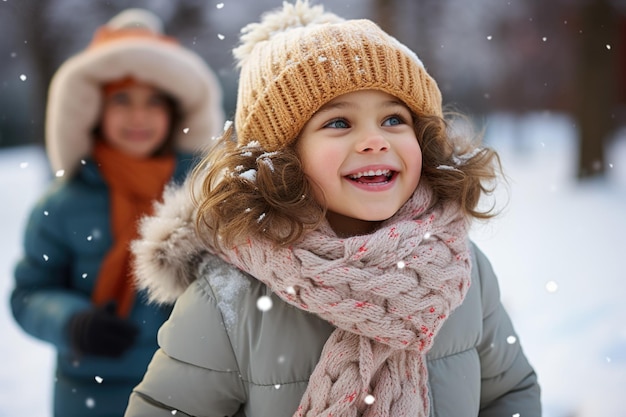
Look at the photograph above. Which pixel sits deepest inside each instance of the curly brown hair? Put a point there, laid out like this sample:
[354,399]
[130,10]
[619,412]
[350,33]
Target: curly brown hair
[246,192]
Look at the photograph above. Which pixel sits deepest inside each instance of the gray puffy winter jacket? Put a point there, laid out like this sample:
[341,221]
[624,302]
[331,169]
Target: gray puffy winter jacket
[220,355]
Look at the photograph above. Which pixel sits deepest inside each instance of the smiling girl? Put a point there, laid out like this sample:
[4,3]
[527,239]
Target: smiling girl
[319,256]
[124,119]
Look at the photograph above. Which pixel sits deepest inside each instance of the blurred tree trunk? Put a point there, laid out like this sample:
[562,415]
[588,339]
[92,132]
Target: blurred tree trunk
[411,23]
[35,31]
[596,85]
[382,14]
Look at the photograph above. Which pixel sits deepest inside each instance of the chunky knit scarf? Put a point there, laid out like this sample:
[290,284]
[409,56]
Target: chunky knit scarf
[388,293]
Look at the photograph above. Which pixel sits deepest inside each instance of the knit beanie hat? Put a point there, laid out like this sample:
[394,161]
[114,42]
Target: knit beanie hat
[130,45]
[300,57]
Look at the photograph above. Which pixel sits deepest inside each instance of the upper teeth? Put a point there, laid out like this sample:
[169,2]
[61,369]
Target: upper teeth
[370,173]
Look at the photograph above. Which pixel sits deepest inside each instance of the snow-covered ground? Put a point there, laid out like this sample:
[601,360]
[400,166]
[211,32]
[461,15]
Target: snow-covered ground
[556,248]
[26,373]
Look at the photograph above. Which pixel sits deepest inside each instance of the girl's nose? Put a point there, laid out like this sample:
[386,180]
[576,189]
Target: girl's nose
[138,113]
[373,142]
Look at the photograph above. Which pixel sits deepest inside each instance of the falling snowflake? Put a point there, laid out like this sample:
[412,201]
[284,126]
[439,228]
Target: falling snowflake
[264,303]
[59,173]
[90,402]
[552,286]
[99,379]
[369,399]
[511,339]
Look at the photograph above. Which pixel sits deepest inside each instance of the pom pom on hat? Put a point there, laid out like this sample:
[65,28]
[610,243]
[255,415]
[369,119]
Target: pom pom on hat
[131,23]
[291,16]
[300,57]
[135,19]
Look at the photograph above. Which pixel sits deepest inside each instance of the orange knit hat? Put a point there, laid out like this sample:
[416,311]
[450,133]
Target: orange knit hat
[299,57]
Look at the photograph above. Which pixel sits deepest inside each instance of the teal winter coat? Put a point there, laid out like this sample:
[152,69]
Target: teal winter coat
[67,236]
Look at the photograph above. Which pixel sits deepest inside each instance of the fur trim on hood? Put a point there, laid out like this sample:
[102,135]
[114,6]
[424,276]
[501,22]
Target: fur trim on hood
[129,45]
[169,252]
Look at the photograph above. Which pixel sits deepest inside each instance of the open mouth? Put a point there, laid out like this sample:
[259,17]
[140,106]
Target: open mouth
[373,177]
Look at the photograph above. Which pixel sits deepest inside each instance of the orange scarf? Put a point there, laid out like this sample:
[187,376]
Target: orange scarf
[134,184]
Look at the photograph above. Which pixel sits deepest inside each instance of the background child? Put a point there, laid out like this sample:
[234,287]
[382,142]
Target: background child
[123,119]
[322,249]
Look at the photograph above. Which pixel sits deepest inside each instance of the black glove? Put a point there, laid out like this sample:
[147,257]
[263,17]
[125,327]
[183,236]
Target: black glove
[98,331]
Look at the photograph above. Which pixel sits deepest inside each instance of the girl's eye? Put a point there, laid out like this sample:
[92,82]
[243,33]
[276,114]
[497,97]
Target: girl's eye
[393,121]
[337,124]
[119,98]
[157,100]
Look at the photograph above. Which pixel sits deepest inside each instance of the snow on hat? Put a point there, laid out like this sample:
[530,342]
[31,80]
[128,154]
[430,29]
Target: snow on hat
[131,44]
[300,57]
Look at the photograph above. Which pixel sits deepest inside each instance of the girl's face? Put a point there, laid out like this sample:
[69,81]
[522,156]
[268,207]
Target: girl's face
[136,120]
[361,151]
